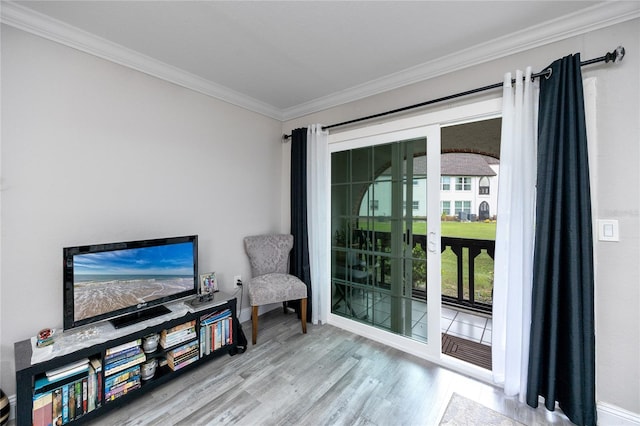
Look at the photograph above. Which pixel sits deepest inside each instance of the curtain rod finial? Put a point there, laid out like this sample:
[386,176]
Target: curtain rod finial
[615,56]
[285,138]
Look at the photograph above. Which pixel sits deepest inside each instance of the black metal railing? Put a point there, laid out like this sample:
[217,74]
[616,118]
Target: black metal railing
[474,248]
[375,246]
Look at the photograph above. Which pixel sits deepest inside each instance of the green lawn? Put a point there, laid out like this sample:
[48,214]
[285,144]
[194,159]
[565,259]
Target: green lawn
[478,230]
[483,266]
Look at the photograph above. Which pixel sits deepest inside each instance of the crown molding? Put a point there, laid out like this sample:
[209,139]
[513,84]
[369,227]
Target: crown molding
[49,28]
[590,19]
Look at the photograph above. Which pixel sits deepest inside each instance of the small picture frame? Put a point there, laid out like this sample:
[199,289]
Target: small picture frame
[208,283]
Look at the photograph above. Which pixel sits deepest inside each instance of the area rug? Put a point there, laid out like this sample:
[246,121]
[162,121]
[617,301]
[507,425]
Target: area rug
[463,411]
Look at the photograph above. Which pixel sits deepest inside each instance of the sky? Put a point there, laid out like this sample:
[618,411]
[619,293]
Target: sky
[173,259]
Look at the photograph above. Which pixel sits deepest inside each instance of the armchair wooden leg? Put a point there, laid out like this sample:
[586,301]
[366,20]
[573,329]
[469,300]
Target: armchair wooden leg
[303,314]
[254,324]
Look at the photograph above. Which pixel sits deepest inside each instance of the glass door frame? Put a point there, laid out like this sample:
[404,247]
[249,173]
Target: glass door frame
[427,125]
[432,136]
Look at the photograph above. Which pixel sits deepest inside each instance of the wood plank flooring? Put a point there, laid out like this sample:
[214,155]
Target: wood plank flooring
[326,377]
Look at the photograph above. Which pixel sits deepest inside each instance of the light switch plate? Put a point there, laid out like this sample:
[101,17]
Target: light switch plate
[608,230]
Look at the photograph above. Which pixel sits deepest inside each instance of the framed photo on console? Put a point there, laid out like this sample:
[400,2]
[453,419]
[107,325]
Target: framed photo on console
[208,283]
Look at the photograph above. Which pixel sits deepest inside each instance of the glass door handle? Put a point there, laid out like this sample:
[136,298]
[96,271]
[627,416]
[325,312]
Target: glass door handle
[432,242]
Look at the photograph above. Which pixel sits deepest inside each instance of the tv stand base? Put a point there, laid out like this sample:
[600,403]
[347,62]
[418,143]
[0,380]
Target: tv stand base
[131,319]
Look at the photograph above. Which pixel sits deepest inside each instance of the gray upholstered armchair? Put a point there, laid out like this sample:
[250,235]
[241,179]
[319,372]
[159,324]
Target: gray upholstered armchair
[271,282]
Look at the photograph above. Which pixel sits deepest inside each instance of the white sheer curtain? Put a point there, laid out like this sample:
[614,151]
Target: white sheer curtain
[318,221]
[513,268]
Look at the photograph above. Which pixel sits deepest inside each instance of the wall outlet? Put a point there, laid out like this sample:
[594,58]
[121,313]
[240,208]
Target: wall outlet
[237,279]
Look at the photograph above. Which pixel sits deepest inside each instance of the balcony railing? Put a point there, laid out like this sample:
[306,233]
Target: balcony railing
[473,248]
[465,293]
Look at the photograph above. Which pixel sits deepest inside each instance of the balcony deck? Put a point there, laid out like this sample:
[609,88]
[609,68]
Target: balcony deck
[470,326]
[463,315]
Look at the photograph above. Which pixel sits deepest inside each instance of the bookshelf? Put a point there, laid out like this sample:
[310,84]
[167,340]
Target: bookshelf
[102,376]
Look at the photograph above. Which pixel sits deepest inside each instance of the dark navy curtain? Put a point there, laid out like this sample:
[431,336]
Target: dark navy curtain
[299,262]
[562,345]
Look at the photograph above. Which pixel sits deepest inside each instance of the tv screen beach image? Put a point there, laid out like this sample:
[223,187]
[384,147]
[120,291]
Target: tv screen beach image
[108,281]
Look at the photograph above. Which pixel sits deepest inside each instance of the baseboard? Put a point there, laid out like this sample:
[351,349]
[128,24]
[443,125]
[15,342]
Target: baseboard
[245,315]
[610,415]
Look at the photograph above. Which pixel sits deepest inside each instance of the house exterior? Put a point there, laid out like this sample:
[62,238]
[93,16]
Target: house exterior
[468,188]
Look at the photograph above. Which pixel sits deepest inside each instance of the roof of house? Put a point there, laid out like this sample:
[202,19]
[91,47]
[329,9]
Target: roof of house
[467,164]
[457,164]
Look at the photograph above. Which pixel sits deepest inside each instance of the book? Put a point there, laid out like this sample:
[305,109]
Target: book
[43,409]
[202,339]
[179,327]
[91,388]
[57,406]
[65,404]
[85,395]
[110,365]
[99,391]
[186,355]
[138,359]
[182,349]
[184,363]
[121,377]
[131,383]
[78,395]
[217,334]
[216,316]
[180,337]
[72,401]
[124,392]
[96,397]
[178,334]
[96,364]
[123,347]
[43,384]
[207,342]
[123,354]
[67,370]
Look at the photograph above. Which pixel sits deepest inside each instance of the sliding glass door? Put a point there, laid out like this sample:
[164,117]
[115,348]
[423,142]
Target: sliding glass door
[380,205]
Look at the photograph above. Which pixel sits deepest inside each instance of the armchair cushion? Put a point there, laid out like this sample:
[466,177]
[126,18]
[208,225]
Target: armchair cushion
[268,253]
[275,288]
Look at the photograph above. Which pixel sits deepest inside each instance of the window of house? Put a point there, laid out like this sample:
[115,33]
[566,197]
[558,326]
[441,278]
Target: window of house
[445,207]
[483,186]
[463,206]
[415,205]
[463,183]
[445,183]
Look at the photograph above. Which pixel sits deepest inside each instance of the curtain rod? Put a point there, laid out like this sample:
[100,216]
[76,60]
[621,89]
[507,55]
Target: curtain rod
[614,56]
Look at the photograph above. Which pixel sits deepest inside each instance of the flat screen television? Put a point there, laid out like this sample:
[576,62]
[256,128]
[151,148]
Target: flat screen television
[127,282]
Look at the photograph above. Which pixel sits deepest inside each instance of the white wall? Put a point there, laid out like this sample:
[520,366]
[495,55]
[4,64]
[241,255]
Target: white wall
[618,144]
[94,152]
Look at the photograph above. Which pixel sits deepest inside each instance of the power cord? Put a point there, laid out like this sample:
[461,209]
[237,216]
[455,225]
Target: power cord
[239,283]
